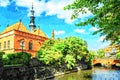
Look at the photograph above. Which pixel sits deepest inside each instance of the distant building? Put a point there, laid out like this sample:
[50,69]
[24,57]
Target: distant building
[17,38]
[111,51]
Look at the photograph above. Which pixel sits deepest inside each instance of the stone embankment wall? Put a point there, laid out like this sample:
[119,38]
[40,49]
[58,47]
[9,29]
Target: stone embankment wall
[34,70]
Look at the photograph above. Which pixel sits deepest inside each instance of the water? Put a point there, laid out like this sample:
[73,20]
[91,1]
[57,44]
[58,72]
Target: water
[80,75]
[105,74]
[94,74]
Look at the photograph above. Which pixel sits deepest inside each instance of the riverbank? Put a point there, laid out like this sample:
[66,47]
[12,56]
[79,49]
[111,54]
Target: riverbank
[87,73]
[77,69]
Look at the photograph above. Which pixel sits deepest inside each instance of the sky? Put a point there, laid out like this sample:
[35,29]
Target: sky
[50,15]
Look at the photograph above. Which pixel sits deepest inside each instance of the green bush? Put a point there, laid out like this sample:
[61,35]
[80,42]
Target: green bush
[16,58]
[1,54]
[118,55]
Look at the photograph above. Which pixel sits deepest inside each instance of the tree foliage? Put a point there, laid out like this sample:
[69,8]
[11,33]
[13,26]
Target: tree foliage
[90,57]
[118,55]
[106,16]
[100,53]
[60,51]
[16,58]
[1,55]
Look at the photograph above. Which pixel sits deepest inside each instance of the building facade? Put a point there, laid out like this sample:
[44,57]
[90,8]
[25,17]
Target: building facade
[17,38]
[111,51]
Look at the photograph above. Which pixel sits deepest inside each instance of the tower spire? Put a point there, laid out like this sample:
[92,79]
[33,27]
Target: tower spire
[53,35]
[32,19]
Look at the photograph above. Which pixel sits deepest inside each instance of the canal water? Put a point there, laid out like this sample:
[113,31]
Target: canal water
[94,74]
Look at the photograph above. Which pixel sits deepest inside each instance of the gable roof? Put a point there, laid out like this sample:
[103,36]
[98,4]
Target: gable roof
[18,26]
[39,32]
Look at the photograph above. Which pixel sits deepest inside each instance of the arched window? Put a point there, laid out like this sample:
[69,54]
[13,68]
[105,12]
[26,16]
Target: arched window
[30,45]
[22,44]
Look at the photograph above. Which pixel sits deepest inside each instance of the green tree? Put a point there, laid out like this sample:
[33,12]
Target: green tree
[50,52]
[106,16]
[76,47]
[100,53]
[1,55]
[118,55]
[89,57]
[63,51]
[70,60]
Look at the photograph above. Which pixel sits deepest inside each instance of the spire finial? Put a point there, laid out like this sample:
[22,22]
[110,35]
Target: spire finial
[32,5]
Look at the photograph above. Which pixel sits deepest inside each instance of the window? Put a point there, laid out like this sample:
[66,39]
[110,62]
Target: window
[30,45]
[22,44]
[0,46]
[113,50]
[4,44]
[8,44]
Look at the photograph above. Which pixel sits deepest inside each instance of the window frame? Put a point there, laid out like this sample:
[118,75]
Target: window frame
[4,44]
[30,45]
[8,44]
[22,44]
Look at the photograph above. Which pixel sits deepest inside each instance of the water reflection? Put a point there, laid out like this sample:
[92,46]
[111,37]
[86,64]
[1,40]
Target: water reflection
[103,74]
[94,74]
[81,75]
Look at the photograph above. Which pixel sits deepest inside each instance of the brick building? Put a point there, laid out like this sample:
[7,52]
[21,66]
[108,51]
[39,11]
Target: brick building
[17,38]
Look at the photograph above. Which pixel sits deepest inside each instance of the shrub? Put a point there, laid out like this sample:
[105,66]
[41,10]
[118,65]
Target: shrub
[16,58]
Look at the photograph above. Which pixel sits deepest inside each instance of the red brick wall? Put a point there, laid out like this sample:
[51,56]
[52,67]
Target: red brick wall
[27,37]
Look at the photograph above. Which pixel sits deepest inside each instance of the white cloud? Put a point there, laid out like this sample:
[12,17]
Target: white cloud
[93,29]
[55,7]
[39,6]
[101,38]
[80,31]
[52,7]
[59,32]
[4,3]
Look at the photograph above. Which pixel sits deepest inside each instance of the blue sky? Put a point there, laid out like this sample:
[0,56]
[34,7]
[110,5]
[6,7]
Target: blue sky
[50,15]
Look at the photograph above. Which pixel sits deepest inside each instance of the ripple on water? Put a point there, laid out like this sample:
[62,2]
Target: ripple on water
[103,74]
